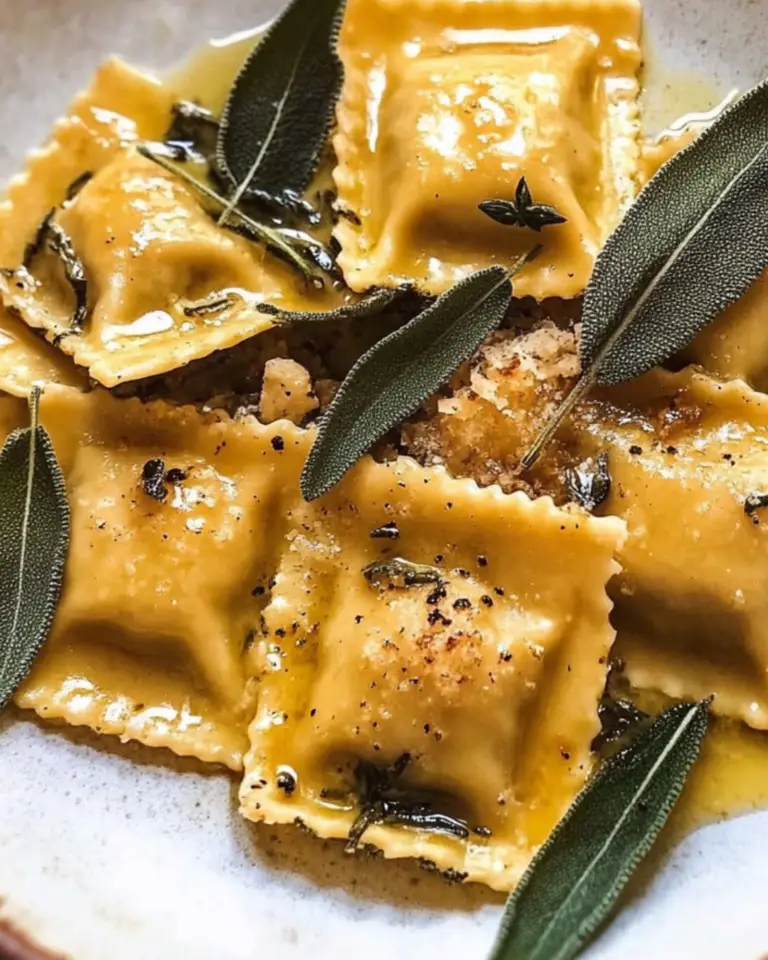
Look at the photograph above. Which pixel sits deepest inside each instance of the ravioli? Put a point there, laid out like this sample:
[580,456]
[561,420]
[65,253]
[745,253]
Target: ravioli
[447,104]
[454,678]
[174,535]
[26,360]
[691,610]
[684,452]
[150,252]
[735,345]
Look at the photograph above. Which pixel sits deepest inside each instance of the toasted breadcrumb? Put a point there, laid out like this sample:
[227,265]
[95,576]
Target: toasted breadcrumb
[286,393]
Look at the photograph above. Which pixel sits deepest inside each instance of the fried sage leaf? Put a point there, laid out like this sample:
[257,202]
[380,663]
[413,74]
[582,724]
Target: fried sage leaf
[194,129]
[280,108]
[577,875]
[590,482]
[34,520]
[692,243]
[381,801]
[397,374]
[373,304]
[49,234]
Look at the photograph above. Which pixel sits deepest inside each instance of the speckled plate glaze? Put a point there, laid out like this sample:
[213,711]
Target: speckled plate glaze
[123,852]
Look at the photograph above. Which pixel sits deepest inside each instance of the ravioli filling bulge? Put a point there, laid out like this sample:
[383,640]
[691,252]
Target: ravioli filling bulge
[448,105]
[455,673]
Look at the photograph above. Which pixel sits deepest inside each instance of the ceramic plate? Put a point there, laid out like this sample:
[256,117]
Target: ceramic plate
[124,852]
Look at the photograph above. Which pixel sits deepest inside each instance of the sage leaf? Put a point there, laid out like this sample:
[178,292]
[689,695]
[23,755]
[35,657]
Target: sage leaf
[51,236]
[34,540]
[590,482]
[373,304]
[577,875]
[281,105]
[194,129]
[755,502]
[396,375]
[692,243]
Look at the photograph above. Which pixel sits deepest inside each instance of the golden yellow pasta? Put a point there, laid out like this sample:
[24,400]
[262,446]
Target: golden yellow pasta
[453,676]
[26,360]
[150,253]
[684,453]
[448,104]
[172,547]
[400,636]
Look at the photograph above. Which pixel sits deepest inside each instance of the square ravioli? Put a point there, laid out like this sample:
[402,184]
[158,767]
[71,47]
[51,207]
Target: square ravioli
[174,526]
[411,707]
[447,104]
[151,255]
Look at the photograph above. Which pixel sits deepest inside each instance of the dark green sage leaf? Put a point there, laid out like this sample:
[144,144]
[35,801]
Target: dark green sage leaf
[34,539]
[193,129]
[51,235]
[281,105]
[211,305]
[590,482]
[692,243]
[396,375]
[577,875]
[522,212]
[373,304]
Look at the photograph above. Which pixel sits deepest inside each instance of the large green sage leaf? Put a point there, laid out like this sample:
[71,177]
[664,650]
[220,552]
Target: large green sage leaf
[577,875]
[280,108]
[693,242]
[34,539]
[396,375]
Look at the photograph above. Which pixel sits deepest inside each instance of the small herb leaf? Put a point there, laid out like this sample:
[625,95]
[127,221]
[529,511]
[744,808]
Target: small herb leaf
[577,875]
[34,519]
[692,243]
[373,304]
[194,129]
[400,572]
[49,234]
[281,105]
[590,482]
[755,502]
[60,244]
[397,374]
[523,212]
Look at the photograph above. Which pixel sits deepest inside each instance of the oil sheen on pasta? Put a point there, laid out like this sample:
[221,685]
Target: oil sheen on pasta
[194,691]
[731,777]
